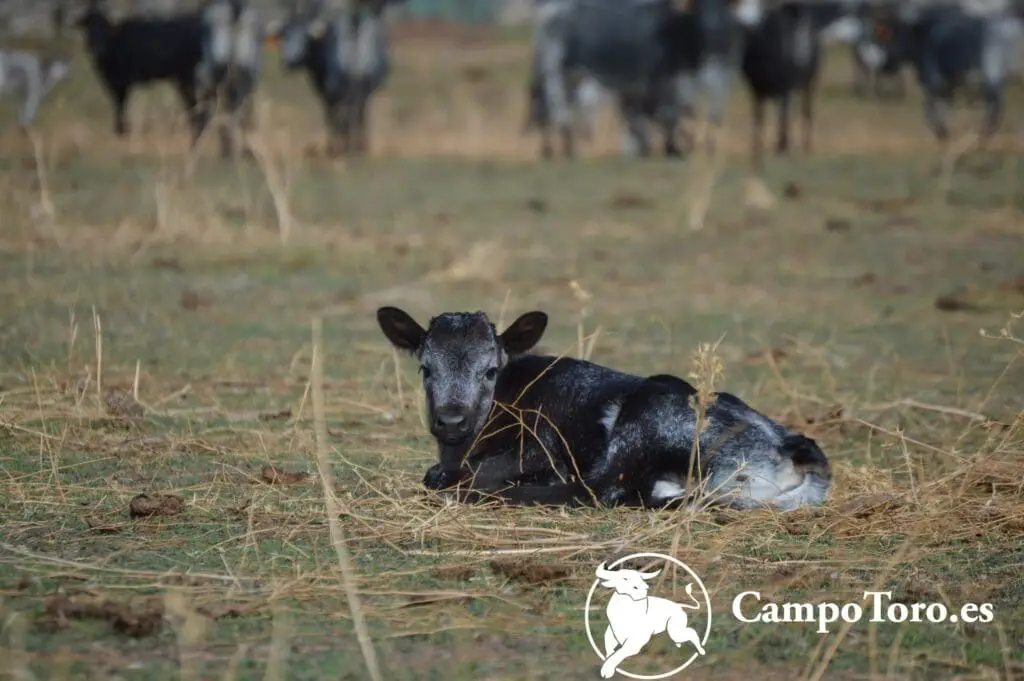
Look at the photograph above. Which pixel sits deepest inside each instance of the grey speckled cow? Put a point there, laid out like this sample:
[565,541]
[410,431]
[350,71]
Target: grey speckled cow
[531,429]
[347,58]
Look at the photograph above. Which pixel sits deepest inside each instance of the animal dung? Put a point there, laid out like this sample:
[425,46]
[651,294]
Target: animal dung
[122,404]
[272,476]
[149,505]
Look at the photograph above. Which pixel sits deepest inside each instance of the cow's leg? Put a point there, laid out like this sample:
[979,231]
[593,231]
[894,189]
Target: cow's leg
[634,141]
[333,116]
[895,86]
[861,76]
[993,74]
[552,66]
[667,109]
[500,476]
[196,109]
[630,647]
[681,633]
[587,99]
[938,93]
[537,115]
[782,145]
[119,95]
[227,126]
[610,642]
[247,114]
[685,89]
[359,123]
[346,127]
[937,106]
[993,94]
[756,133]
[240,103]
[567,134]
[568,141]
[716,77]
[495,470]
[807,115]
[546,148]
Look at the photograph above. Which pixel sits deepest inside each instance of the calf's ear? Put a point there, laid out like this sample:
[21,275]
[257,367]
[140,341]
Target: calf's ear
[524,333]
[403,331]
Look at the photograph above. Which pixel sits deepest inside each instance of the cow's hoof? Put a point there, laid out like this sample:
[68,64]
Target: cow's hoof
[438,479]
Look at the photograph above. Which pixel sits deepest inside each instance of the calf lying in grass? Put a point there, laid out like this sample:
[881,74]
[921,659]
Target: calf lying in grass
[531,429]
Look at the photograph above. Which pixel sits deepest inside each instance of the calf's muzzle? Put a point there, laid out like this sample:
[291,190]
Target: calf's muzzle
[450,424]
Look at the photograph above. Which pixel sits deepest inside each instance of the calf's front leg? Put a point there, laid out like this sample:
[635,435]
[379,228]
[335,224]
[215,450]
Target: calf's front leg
[505,475]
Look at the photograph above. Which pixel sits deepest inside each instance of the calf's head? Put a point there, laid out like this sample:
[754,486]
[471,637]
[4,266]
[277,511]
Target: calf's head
[461,358]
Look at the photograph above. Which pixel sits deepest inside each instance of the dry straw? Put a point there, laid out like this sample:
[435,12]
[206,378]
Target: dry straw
[333,506]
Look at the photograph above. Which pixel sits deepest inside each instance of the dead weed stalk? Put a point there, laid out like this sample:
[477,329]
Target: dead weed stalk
[333,509]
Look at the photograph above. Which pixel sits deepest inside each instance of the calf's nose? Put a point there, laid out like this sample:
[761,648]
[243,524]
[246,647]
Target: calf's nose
[450,419]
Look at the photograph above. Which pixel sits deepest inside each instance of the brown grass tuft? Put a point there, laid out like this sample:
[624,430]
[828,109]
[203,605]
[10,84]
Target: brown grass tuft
[135,619]
[528,571]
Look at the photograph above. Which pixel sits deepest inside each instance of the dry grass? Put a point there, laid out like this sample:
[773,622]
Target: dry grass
[163,480]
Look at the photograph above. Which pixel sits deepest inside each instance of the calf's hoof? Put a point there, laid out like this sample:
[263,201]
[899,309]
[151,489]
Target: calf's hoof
[436,478]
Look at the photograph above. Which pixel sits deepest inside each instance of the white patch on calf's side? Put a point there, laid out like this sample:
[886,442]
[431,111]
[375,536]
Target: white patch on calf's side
[666,490]
[610,416]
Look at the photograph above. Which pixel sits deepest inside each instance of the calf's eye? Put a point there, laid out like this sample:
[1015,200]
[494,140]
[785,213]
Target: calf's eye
[491,374]
[425,371]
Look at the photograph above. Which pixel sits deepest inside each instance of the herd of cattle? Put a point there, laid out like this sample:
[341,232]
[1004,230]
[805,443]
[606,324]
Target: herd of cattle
[654,58]
[657,59]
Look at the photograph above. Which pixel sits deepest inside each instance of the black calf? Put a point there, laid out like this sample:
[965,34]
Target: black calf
[143,50]
[534,429]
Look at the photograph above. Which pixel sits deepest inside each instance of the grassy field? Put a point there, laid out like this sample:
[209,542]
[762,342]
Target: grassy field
[156,339]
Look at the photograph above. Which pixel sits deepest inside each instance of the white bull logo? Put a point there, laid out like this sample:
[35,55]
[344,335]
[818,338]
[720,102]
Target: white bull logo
[634,617]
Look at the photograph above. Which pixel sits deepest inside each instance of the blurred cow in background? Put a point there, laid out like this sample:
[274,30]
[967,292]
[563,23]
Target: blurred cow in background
[651,56]
[229,70]
[347,57]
